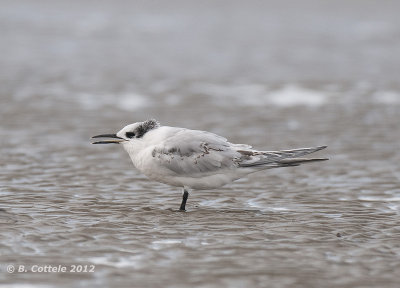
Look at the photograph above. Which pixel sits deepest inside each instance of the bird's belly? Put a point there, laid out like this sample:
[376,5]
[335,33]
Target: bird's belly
[206,182]
[150,167]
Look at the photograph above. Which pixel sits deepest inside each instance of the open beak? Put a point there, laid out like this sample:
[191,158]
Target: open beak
[116,141]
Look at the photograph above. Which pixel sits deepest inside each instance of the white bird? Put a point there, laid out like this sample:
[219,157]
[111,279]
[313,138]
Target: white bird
[194,159]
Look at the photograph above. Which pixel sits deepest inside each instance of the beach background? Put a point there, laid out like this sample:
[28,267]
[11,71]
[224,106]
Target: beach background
[273,74]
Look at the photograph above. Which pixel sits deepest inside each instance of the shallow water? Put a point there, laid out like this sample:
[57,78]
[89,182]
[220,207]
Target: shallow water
[263,74]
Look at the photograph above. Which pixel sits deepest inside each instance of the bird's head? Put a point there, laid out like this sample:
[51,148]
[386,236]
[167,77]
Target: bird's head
[129,133]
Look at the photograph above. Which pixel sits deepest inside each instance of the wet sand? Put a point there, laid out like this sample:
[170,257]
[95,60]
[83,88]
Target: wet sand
[263,74]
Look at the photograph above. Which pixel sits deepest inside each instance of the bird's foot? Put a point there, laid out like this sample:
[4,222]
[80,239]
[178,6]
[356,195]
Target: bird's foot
[184,199]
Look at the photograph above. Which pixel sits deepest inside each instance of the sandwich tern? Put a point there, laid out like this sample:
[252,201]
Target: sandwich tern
[194,159]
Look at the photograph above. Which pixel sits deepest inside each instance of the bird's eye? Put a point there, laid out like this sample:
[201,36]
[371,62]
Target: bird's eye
[130,134]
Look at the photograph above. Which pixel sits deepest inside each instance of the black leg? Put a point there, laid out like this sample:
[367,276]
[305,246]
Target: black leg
[184,199]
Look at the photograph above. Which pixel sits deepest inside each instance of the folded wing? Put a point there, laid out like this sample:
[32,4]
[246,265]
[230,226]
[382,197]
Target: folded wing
[281,158]
[199,153]
[193,152]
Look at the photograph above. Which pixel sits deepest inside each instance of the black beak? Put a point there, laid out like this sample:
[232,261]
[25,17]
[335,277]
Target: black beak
[116,141]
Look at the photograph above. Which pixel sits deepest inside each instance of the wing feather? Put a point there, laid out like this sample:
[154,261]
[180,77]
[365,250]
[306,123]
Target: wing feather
[195,153]
[191,152]
[260,158]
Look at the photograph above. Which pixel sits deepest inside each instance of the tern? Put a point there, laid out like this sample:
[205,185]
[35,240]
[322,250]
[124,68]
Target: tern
[194,159]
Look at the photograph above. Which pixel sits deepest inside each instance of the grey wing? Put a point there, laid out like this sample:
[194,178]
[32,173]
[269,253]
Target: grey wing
[278,158]
[191,152]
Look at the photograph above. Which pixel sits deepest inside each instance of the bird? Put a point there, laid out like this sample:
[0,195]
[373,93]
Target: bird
[195,159]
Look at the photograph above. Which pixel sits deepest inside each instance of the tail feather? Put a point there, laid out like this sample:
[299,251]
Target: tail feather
[283,158]
[294,153]
[298,161]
